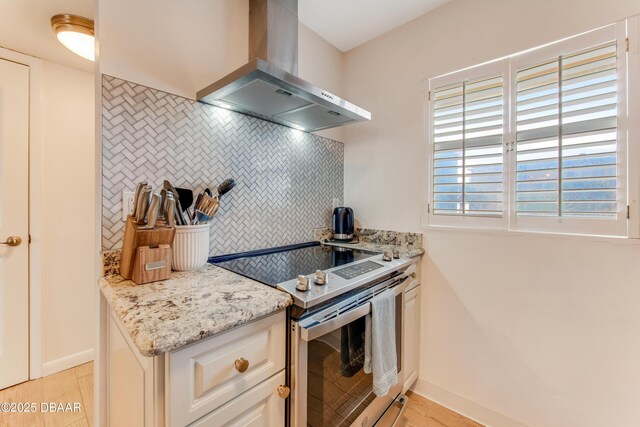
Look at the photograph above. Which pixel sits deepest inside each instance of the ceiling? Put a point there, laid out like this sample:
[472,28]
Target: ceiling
[350,23]
[343,23]
[26,27]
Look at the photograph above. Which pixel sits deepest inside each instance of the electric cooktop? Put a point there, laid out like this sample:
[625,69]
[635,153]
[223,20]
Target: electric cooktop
[278,265]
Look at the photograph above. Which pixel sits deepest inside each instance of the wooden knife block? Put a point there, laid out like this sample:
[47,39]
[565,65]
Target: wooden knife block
[135,238]
[151,265]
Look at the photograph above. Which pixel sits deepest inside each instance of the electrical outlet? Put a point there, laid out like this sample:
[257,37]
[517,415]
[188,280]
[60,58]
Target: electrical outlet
[335,203]
[127,204]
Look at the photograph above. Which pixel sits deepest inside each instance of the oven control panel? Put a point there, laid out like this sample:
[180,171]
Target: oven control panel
[355,270]
[345,278]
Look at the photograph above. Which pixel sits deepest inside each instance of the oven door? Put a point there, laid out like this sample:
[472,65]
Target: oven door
[329,385]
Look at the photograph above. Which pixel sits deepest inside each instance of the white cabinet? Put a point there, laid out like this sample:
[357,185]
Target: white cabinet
[411,355]
[206,375]
[126,382]
[134,382]
[231,379]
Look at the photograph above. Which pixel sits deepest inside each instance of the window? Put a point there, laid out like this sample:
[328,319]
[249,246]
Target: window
[467,158]
[566,135]
[535,141]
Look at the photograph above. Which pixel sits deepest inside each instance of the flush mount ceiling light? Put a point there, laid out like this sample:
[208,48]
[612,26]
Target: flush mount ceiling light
[76,33]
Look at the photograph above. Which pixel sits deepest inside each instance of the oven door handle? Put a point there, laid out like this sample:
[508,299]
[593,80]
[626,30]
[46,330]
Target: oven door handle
[315,331]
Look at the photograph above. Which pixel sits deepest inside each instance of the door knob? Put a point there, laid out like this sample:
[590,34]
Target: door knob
[12,241]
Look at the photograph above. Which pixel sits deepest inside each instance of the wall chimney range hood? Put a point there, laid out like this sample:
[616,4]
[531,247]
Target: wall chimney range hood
[268,86]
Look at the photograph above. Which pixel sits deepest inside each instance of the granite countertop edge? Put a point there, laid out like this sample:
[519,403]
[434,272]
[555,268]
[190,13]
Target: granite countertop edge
[164,316]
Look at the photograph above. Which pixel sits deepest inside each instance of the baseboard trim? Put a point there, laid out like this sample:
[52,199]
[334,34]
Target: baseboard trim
[464,406]
[67,362]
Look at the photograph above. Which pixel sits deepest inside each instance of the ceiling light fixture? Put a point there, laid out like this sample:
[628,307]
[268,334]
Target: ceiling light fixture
[76,33]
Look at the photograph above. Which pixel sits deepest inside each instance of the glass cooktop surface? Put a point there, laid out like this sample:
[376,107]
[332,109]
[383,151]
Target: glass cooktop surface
[277,265]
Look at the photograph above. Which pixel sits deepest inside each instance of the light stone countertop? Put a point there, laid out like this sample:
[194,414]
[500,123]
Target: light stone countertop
[190,306]
[378,247]
[409,244]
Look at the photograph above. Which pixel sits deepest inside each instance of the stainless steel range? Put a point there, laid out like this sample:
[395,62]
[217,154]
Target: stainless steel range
[331,288]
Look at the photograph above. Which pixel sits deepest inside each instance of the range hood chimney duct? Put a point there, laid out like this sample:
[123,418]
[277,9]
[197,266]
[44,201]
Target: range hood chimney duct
[273,33]
[268,86]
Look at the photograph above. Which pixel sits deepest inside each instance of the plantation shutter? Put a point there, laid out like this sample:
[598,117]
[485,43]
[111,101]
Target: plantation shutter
[543,140]
[566,135]
[467,131]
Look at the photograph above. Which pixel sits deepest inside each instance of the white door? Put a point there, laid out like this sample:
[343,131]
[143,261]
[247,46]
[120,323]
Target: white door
[14,223]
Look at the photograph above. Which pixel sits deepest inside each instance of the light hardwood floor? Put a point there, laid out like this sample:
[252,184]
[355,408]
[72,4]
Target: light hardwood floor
[70,386]
[422,412]
[76,385]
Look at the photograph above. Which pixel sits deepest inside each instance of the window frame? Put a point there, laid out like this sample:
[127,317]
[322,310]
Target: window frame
[628,64]
[633,126]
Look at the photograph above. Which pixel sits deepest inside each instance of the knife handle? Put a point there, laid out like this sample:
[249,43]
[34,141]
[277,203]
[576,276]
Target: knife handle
[154,208]
[164,197]
[169,212]
[143,205]
[136,195]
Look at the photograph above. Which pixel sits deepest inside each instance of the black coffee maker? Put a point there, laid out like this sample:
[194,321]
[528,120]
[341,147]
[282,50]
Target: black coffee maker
[343,224]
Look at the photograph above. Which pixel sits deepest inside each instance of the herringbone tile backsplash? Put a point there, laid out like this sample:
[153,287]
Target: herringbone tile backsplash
[286,179]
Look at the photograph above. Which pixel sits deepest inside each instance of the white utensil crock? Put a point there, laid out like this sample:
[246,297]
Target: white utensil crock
[190,247]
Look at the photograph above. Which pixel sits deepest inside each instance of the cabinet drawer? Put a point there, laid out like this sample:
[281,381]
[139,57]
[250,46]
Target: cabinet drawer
[413,270]
[204,376]
[260,406]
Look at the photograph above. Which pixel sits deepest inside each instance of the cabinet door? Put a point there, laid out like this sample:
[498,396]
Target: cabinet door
[411,337]
[259,407]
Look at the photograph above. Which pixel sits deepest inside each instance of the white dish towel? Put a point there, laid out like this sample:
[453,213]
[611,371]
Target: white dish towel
[380,342]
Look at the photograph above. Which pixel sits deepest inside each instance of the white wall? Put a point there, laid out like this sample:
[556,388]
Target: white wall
[69,275]
[537,330]
[178,47]
[199,43]
[541,329]
[320,63]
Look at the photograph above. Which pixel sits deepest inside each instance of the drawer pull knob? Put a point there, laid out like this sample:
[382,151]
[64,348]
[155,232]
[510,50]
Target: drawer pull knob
[242,364]
[283,391]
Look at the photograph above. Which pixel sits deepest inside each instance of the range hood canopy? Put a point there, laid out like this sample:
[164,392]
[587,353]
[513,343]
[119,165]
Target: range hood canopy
[268,86]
